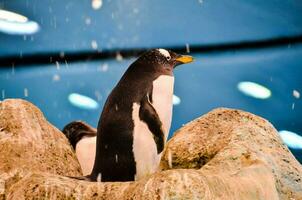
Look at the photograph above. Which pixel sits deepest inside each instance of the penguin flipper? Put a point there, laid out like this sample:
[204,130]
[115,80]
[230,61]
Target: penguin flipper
[76,130]
[148,114]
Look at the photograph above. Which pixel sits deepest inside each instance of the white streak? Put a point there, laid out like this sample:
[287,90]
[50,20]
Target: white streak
[116,158]
[99,178]
[25,92]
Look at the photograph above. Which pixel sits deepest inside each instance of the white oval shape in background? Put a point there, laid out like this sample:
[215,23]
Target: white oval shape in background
[16,24]
[291,139]
[83,102]
[254,90]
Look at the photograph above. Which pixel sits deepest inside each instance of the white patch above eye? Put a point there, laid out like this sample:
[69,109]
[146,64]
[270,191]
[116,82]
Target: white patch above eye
[165,53]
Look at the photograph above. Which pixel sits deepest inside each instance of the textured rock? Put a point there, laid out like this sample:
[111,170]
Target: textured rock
[225,154]
[28,143]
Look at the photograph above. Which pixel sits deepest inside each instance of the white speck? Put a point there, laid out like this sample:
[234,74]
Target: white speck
[98,95]
[293,106]
[88,21]
[62,54]
[200,1]
[170,159]
[25,92]
[99,178]
[3,94]
[119,56]
[94,44]
[96,4]
[188,48]
[116,158]
[58,65]
[116,107]
[103,68]
[176,100]
[296,94]
[164,52]
[66,64]
[55,78]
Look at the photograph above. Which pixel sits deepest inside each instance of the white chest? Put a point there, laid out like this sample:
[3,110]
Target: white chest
[162,96]
[144,147]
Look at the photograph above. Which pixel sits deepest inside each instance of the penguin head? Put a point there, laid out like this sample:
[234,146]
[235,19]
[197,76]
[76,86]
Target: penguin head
[162,60]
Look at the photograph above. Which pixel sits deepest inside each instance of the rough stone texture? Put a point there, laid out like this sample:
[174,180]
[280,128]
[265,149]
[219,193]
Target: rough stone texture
[28,143]
[225,154]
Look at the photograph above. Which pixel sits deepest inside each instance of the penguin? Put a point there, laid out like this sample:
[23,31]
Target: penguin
[82,138]
[136,118]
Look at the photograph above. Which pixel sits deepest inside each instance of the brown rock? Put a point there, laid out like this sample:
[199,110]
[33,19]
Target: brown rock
[225,154]
[28,143]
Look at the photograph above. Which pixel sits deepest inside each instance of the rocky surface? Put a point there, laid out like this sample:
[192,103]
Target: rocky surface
[225,154]
[29,144]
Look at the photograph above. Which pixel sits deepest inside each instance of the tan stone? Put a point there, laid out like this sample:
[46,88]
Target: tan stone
[28,143]
[225,154]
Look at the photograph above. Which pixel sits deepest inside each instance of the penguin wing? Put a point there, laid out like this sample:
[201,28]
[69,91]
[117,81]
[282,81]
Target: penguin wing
[148,114]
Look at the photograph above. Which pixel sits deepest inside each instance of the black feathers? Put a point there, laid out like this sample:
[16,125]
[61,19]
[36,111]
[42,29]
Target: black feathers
[148,114]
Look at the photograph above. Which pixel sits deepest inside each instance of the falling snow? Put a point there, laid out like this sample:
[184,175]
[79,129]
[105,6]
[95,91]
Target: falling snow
[62,54]
[293,106]
[96,4]
[88,21]
[188,48]
[103,68]
[94,44]
[98,95]
[119,57]
[99,178]
[25,92]
[56,77]
[3,94]
[116,158]
[296,94]
[58,65]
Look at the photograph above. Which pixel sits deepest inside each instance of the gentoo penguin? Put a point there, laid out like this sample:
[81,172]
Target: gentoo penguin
[136,118]
[82,138]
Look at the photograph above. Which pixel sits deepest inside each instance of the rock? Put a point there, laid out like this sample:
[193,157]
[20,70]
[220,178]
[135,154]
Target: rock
[28,144]
[225,154]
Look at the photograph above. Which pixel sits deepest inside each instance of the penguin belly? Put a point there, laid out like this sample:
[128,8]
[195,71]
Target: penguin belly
[144,147]
[85,152]
[162,96]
